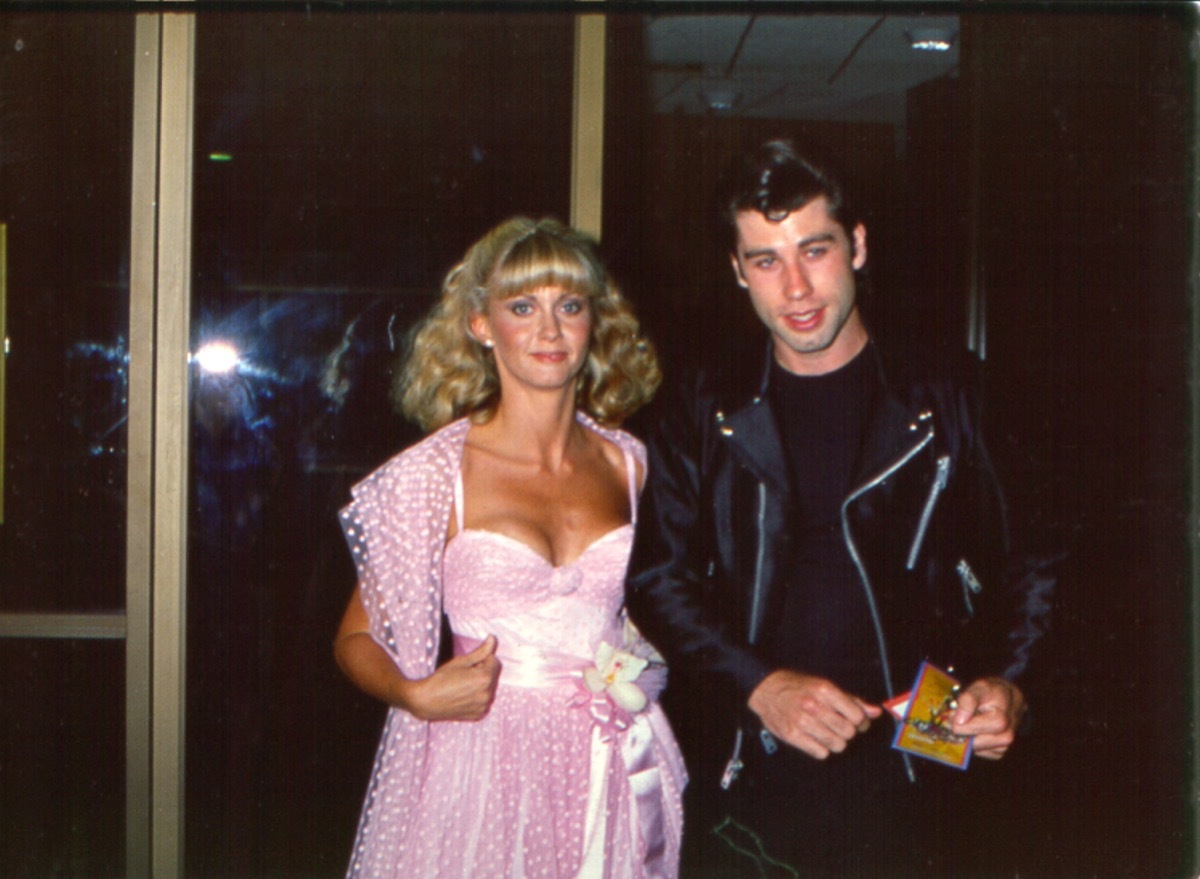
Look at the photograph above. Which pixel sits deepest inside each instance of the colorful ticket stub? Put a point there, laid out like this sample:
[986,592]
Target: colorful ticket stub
[925,714]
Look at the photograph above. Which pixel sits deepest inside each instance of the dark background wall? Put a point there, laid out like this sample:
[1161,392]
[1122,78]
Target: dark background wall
[1076,128]
[1087,179]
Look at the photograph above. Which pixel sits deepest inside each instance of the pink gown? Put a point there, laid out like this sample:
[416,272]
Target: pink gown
[543,786]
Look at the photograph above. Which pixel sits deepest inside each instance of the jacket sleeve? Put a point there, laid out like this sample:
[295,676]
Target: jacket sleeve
[1013,613]
[675,593]
[1028,577]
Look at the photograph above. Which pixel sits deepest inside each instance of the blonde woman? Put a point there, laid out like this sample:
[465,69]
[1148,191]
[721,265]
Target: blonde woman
[539,748]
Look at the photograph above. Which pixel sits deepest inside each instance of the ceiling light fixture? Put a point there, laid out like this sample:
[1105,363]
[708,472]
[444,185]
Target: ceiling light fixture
[931,39]
[719,100]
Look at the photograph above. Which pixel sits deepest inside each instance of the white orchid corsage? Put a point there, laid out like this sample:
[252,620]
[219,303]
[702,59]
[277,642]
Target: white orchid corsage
[622,681]
[614,673]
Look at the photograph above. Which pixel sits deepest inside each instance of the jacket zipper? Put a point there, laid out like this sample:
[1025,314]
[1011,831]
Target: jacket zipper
[970,583]
[862,570]
[734,766]
[939,482]
[756,600]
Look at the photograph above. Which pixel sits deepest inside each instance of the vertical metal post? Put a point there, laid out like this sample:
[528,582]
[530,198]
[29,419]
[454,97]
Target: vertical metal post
[172,316]
[3,351]
[160,278]
[140,439]
[977,255]
[587,131]
[1193,854]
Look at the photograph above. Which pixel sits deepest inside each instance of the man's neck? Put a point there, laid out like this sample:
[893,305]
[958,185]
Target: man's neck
[820,362]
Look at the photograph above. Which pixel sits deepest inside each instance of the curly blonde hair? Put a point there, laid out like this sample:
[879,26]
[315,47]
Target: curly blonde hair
[448,374]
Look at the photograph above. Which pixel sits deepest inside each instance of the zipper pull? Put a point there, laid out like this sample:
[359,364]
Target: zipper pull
[943,471]
[734,767]
[970,584]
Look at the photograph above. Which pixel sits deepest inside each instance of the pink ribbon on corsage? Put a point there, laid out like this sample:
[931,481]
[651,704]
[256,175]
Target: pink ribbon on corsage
[610,718]
[609,692]
[618,686]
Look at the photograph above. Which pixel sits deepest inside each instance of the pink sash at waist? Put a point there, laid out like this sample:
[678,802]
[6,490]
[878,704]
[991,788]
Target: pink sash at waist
[524,666]
[633,735]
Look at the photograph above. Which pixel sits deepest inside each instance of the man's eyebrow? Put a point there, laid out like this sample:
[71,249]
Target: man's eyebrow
[819,238]
[759,251]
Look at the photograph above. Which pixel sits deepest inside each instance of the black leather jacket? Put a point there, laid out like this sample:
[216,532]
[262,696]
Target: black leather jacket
[925,526]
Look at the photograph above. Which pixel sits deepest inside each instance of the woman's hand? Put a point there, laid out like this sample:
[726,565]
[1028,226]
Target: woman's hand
[460,689]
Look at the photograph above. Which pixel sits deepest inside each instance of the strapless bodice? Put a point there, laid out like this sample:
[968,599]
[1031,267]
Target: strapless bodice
[495,584]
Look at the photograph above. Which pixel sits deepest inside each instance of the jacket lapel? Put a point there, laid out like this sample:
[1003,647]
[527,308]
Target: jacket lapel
[892,432]
[754,437]
[745,421]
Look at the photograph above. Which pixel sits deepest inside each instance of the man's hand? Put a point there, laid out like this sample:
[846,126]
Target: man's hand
[810,713]
[990,709]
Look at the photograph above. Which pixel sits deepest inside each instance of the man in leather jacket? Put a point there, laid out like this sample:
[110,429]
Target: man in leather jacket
[820,517]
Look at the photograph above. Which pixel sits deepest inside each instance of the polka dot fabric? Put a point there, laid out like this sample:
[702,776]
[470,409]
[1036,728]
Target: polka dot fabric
[534,789]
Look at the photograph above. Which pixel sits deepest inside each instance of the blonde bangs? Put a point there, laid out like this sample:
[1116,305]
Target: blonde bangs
[539,261]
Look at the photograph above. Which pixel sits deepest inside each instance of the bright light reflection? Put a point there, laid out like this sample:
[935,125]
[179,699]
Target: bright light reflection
[217,357]
[931,39]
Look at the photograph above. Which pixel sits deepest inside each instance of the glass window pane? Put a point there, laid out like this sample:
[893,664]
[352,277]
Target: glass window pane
[344,161]
[62,758]
[66,90]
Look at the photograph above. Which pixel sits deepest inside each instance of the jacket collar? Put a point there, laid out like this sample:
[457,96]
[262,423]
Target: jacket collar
[893,431]
[745,418]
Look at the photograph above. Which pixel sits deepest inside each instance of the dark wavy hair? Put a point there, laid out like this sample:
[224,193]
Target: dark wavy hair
[775,179]
[448,374]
